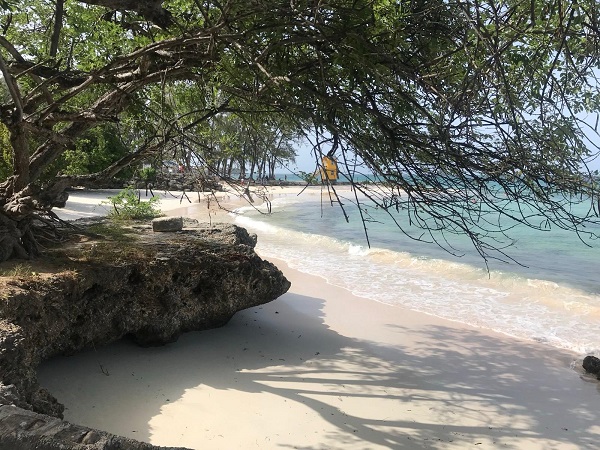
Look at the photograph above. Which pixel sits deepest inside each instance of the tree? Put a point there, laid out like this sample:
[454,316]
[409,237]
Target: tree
[257,144]
[94,150]
[444,101]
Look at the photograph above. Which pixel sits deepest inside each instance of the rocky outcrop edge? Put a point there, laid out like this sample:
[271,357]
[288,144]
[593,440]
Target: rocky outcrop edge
[148,286]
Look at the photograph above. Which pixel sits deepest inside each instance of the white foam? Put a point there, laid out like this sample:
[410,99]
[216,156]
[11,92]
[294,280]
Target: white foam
[257,225]
[358,250]
[526,308]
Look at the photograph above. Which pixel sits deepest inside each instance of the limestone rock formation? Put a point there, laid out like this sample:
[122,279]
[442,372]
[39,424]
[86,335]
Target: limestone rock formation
[167,224]
[134,283]
[21,429]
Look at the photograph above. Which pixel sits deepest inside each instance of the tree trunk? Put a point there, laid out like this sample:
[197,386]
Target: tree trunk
[272,164]
[242,163]
[261,170]
[18,140]
[10,239]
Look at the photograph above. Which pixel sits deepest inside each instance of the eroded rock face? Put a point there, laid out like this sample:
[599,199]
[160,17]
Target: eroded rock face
[21,429]
[149,286]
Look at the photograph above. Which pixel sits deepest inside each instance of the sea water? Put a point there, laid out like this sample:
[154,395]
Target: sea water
[552,295]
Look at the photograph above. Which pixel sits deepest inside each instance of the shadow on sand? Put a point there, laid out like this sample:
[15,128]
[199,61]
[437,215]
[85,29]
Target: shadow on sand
[279,375]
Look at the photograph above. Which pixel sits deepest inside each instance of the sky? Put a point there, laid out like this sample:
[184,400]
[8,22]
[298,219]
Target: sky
[305,160]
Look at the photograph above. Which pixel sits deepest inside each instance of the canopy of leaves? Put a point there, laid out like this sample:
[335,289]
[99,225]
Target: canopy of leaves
[96,149]
[443,101]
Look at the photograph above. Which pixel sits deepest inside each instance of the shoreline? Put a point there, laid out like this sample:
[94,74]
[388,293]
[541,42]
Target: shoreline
[322,368]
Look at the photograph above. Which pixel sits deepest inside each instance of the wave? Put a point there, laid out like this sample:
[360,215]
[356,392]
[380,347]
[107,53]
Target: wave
[502,301]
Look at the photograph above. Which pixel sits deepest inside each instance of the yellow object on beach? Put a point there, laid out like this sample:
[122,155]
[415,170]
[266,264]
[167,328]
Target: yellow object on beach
[329,170]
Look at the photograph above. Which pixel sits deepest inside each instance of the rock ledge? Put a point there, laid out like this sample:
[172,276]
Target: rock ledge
[148,286]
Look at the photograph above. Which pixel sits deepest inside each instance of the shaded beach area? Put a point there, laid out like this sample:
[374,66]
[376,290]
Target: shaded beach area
[320,368]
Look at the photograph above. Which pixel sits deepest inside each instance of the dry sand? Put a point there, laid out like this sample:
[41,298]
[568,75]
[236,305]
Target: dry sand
[84,203]
[320,368]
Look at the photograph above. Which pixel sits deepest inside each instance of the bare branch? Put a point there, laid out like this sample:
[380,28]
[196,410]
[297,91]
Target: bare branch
[151,10]
[58,23]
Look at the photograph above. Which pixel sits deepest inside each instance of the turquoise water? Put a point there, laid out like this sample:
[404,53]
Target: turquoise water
[552,297]
[294,177]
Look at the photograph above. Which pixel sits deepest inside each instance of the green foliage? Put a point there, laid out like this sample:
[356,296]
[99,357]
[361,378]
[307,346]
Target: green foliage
[309,178]
[76,162]
[456,94]
[5,154]
[147,174]
[94,151]
[127,205]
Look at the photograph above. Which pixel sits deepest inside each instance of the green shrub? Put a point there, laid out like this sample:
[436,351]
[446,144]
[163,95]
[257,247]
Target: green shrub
[309,178]
[147,174]
[5,153]
[127,205]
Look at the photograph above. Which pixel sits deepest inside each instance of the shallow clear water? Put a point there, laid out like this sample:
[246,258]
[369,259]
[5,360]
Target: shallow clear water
[555,298]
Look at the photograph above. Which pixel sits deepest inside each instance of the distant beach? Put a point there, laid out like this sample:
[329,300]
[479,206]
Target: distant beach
[323,368]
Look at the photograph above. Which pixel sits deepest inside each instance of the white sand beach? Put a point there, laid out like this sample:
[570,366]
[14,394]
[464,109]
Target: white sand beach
[85,203]
[320,368]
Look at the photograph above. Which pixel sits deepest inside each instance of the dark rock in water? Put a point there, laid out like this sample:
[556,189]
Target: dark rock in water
[149,286]
[592,365]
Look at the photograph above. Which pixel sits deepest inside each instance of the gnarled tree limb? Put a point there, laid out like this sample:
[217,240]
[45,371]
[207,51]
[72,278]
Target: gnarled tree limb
[151,10]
